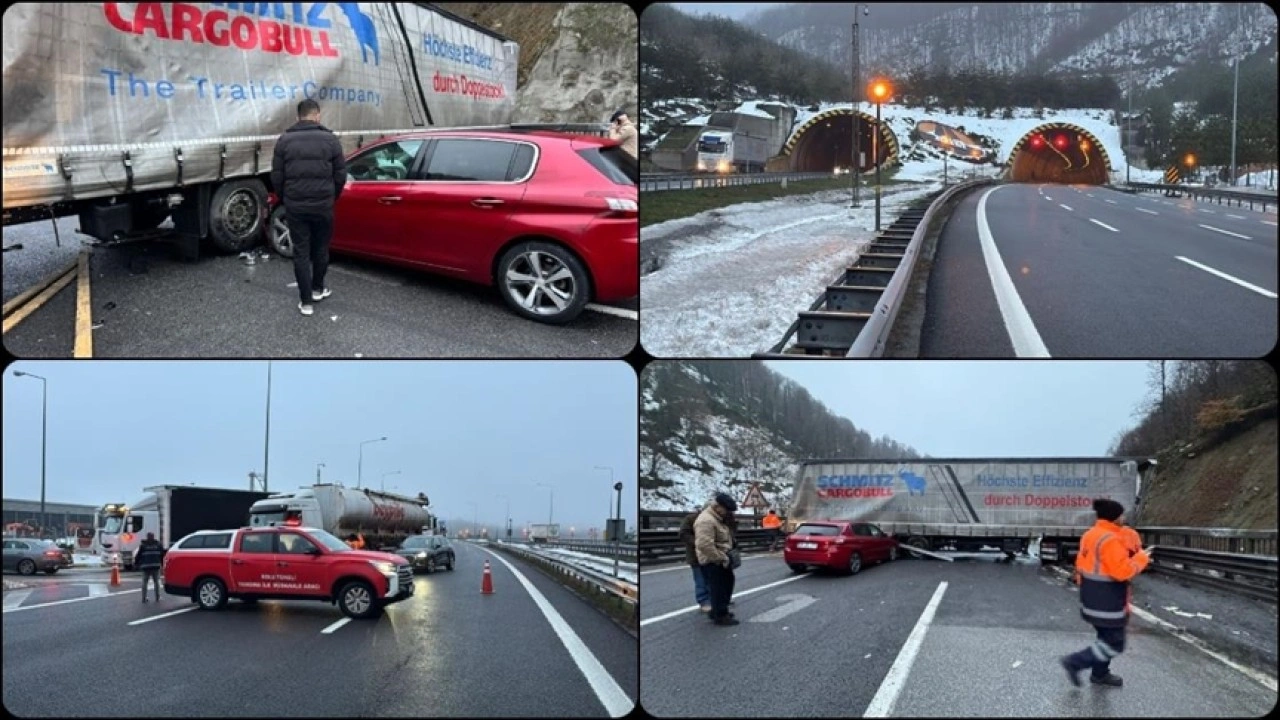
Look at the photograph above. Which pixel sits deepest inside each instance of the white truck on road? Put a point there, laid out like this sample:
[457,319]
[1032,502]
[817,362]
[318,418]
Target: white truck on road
[171,512]
[543,532]
[127,114]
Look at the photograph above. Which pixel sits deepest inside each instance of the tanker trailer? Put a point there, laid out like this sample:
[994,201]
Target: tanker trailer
[383,519]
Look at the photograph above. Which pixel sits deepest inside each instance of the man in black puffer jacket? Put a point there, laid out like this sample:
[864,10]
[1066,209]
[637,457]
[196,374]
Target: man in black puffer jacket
[148,559]
[308,173]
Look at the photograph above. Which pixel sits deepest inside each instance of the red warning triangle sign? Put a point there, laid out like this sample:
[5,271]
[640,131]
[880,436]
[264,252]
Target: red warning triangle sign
[755,498]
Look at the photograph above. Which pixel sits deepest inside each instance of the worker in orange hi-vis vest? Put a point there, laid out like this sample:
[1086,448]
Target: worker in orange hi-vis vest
[773,524]
[1104,568]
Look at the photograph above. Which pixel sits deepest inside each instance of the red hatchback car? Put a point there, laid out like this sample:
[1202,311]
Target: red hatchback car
[842,545]
[550,219]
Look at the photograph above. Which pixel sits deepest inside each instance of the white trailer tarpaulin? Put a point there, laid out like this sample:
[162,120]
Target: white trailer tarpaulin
[964,492]
[91,80]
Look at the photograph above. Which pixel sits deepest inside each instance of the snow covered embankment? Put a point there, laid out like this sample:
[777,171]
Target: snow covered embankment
[734,285]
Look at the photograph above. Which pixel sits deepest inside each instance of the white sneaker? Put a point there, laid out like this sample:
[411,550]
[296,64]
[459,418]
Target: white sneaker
[318,296]
[704,608]
[305,309]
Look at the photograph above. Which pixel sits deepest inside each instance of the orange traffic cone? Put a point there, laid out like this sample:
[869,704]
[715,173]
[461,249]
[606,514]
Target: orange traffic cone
[115,573]
[486,586]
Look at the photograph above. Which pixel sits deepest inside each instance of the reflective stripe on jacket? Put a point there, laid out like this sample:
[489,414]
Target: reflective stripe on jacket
[1105,567]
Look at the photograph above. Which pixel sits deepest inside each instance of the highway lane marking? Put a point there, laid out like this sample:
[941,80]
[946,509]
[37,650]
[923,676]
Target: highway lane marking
[736,595]
[1088,194]
[1149,212]
[1236,217]
[686,567]
[164,615]
[1113,202]
[882,704]
[15,598]
[1046,197]
[614,311]
[1224,232]
[1064,207]
[1207,211]
[64,602]
[1099,222]
[330,630]
[794,603]
[1268,222]
[1229,278]
[1261,678]
[1017,322]
[611,695]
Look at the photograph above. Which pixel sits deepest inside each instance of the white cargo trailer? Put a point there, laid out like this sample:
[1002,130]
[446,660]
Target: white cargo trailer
[967,504]
[130,113]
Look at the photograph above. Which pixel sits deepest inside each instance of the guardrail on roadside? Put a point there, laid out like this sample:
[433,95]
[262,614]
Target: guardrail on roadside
[630,592]
[1200,193]
[1252,575]
[664,546]
[1225,540]
[695,181]
[866,309]
[596,547]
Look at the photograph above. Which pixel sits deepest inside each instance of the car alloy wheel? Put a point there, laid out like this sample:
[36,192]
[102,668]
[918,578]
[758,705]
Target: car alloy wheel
[357,600]
[26,567]
[279,235]
[855,563]
[209,594]
[541,283]
[431,566]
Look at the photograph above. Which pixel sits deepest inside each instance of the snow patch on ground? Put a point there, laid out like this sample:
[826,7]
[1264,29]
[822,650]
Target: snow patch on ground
[735,289]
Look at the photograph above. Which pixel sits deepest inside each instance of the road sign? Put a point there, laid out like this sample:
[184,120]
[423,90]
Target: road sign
[1171,174]
[755,498]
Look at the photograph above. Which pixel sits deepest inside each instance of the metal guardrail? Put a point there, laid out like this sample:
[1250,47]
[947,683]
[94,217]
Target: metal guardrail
[617,587]
[1200,193]
[664,546]
[1225,540]
[1252,575]
[694,181]
[860,302]
[596,547]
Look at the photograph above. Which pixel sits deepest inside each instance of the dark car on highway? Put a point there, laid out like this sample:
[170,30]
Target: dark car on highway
[427,552]
[840,545]
[549,219]
[27,556]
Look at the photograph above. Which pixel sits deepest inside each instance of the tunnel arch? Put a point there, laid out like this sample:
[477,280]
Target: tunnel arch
[824,141]
[1081,159]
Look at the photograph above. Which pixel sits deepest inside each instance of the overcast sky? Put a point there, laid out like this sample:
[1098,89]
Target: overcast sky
[459,431]
[1023,408]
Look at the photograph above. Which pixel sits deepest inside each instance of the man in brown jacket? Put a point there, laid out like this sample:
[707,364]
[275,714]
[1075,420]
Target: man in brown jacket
[712,540]
[700,593]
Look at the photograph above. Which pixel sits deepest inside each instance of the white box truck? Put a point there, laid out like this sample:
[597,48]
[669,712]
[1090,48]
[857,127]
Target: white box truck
[967,504]
[127,114]
[171,512]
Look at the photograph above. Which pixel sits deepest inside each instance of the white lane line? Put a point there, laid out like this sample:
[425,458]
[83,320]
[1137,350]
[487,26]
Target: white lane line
[330,630]
[1098,222]
[64,602]
[1149,212]
[744,593]
[1113,202]
[1046,197]
[1268,222]
[1064,207]
[1088,194]
[1017,322]
[614,311]
[1236,217]
[793,603]
[882,704]
[1261,678]
[165,615]
[14,599]
[1224,232]
[611,695]
[684,567]
[1229,278]
[1207,211]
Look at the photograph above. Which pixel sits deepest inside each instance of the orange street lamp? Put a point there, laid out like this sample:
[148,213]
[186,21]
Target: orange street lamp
[880,91]
[1190,159]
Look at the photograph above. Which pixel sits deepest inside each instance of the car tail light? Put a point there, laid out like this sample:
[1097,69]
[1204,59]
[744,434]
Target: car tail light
[53,553]
[616,206]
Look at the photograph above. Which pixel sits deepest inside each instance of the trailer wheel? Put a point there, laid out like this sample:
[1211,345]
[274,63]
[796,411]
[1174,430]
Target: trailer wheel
[237,211]
[918,543]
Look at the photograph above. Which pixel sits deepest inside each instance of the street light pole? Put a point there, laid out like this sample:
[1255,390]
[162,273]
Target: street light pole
[1235,95]
[1128,124]
[552,508]
[360,461]
[266,440]
[855,167]
[875,158]
[318,466]
[44,434]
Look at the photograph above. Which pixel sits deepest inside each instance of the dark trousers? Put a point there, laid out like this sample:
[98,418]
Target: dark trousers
[311,233]
[150,575]
[720,581]
[1098,656]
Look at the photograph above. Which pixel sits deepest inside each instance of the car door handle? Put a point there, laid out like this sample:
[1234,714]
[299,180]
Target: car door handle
[388,199]
[282,564]
[237,562]
[486,202]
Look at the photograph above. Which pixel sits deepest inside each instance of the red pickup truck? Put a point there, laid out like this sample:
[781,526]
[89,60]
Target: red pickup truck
[284,563]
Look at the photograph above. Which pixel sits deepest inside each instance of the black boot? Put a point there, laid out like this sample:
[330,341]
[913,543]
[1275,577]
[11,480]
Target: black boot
[1073,672]
[1109,679]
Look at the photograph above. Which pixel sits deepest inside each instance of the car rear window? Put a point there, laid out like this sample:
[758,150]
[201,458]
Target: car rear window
[210,541]
[611,162]
[521,162]
[818,530]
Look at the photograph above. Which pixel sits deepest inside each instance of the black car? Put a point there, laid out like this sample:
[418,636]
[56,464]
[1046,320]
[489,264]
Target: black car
[427,552]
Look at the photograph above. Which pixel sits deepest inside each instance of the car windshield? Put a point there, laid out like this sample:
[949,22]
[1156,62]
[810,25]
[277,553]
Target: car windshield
[414,542]
[808,529]
[113,524]
[327,540]
[711,145]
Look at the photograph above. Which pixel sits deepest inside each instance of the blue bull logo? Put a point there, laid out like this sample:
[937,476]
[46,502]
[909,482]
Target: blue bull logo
[915,484]
[362,25]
